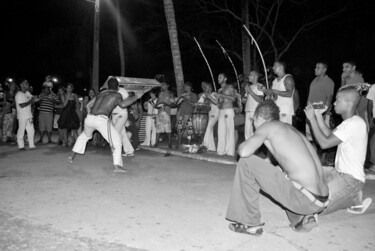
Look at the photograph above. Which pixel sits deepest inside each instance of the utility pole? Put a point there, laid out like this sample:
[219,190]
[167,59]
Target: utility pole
[95,66]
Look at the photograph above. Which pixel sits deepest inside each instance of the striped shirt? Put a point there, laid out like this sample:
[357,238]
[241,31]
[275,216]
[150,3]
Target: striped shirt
[47,102]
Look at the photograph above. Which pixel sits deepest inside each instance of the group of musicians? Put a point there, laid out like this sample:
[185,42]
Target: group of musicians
[198,114]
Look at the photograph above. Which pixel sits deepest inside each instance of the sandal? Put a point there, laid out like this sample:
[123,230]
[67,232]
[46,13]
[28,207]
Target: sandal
[119,169]
[305,224]
[244,229]
[360,209]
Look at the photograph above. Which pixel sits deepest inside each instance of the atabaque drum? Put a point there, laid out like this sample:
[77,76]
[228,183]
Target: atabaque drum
[201,108]
[200,118]
[200,121]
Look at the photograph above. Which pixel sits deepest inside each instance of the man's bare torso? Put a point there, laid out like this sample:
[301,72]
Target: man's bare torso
[295,155]
[225,103]
[105,102]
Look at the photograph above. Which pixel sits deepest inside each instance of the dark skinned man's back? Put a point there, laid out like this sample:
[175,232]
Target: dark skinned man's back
[105,102]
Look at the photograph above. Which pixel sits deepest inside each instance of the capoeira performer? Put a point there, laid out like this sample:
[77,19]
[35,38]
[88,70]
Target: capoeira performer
[299,184]
[150,139]
[98,119]
[209,140]
[226,96]
[119,119]
[253,97]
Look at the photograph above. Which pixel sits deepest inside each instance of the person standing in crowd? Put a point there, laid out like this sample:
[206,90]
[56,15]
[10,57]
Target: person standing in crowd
[371,137]
[24,100]
[9,111]
[173,113]
[283,88]
[69,120]
[321,92]
[46,108]
[297,183]
[239,117]
[185,113]
[213,116]
[347,178]
[253,97]
[135,111]
[58,110]
[351,76]
[163,118]
[225,96]
[149,106]
[119,120]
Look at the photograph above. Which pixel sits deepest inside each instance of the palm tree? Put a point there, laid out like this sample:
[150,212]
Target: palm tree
[175,47]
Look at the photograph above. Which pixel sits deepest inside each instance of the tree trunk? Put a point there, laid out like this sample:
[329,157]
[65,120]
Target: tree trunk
[175,47]
[246,57]
[120,40]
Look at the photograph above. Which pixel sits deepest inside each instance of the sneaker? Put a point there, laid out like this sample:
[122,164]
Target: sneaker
[245,229]
[22,149]
[305,224]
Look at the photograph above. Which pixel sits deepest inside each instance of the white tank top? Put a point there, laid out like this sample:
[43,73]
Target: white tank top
[285,104]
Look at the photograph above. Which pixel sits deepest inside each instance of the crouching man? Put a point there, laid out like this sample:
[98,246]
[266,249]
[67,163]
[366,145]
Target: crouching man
[298,183]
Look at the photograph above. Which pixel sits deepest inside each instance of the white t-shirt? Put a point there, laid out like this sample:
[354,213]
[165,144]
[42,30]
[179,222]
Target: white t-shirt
[124,95]
[351,153]
[371,96]
[251,103]
[23,113]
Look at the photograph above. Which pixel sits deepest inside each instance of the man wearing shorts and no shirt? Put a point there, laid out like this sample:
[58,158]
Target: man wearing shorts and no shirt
[298,184]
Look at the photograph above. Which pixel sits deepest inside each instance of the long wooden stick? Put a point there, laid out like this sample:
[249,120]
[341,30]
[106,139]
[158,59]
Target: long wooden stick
[208,65]
[231,62]
[260,53]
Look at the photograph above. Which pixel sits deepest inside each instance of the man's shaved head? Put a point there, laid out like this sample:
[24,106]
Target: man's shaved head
[351,95]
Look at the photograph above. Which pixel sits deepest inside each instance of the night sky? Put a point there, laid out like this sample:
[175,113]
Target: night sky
[55,37]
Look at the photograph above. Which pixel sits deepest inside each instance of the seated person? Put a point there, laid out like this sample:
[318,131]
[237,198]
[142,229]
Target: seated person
[298,184]
[347,178]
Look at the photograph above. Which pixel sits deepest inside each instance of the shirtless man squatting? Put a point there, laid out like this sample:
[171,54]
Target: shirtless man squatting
[298,183]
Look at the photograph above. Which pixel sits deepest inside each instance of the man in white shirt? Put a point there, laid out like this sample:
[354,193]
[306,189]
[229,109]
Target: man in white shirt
[24,100]
[253,97]
[119,119]
[283,87]
[345,180]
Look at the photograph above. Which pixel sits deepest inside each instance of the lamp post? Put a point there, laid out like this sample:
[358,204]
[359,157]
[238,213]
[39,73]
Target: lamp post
[95,66]
[95,57]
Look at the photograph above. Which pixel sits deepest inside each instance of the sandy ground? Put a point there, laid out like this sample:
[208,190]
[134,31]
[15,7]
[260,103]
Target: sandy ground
[162,203]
